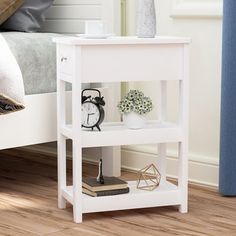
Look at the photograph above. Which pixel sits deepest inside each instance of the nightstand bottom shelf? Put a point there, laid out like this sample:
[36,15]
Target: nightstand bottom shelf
[167,194]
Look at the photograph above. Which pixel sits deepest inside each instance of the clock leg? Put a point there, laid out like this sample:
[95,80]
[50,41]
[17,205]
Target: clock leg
[98,127]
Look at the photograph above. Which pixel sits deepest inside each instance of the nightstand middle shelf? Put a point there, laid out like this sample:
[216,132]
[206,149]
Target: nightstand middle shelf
[117,134]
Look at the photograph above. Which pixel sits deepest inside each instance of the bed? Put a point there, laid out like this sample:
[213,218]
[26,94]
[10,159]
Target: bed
[36,123]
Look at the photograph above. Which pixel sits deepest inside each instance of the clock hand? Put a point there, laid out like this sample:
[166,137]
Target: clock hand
[88,118]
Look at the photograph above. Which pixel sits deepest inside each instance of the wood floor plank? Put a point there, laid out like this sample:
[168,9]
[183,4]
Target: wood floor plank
[77,231]
[28,206]
[6,230]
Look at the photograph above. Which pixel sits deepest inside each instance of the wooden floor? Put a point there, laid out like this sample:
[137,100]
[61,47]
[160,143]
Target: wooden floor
[28,206]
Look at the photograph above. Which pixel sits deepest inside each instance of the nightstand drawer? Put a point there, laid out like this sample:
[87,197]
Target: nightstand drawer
[65,59]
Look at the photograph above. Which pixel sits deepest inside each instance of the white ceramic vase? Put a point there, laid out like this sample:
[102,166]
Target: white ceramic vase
[134,121]
[146,25]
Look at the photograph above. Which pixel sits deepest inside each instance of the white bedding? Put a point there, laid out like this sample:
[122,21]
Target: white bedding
[11,81]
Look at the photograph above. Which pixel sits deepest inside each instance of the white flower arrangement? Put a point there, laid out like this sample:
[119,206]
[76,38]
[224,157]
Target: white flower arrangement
[135,101]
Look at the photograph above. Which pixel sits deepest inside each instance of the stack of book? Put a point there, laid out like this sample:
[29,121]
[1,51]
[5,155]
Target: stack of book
[111,186]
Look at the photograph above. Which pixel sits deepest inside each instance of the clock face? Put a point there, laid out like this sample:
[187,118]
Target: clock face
[90,114]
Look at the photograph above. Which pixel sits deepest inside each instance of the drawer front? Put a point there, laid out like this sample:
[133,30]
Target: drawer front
[113,63]
[65,59]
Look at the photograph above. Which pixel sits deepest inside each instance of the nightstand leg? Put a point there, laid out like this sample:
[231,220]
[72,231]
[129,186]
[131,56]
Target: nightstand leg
[162,161]
[61,143]
[183,177]
[111,157]
[77,138]
[77,181]
[61,170]
[183,146]
[162,117]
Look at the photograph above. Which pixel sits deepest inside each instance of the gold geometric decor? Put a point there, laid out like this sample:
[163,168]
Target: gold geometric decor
[149,178]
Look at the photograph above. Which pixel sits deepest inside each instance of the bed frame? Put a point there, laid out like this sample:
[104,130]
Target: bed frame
[37,123]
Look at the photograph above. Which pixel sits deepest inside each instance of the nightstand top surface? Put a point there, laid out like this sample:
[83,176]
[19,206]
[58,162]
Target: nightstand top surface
[71,40]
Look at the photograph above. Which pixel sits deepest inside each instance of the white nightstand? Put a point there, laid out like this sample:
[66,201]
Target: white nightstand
[114,60]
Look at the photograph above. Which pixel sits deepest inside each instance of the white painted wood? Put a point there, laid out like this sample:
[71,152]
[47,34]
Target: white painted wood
[197,8]
[162,100]
[112,156]
[162,163]
[69,62]
[68,195]
[35,124]
[109,64]
[61,140]
[66,131]
[112,96]
[76,130]
[183,145]
[165,195]
[65,56]
[115,133]
[112,160]
[129,40]
[65,77]
[183,177]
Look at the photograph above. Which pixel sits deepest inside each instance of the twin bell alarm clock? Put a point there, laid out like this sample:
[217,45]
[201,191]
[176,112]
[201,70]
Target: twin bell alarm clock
[92,110]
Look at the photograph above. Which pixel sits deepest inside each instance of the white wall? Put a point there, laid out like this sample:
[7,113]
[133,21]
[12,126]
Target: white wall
[201,20]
